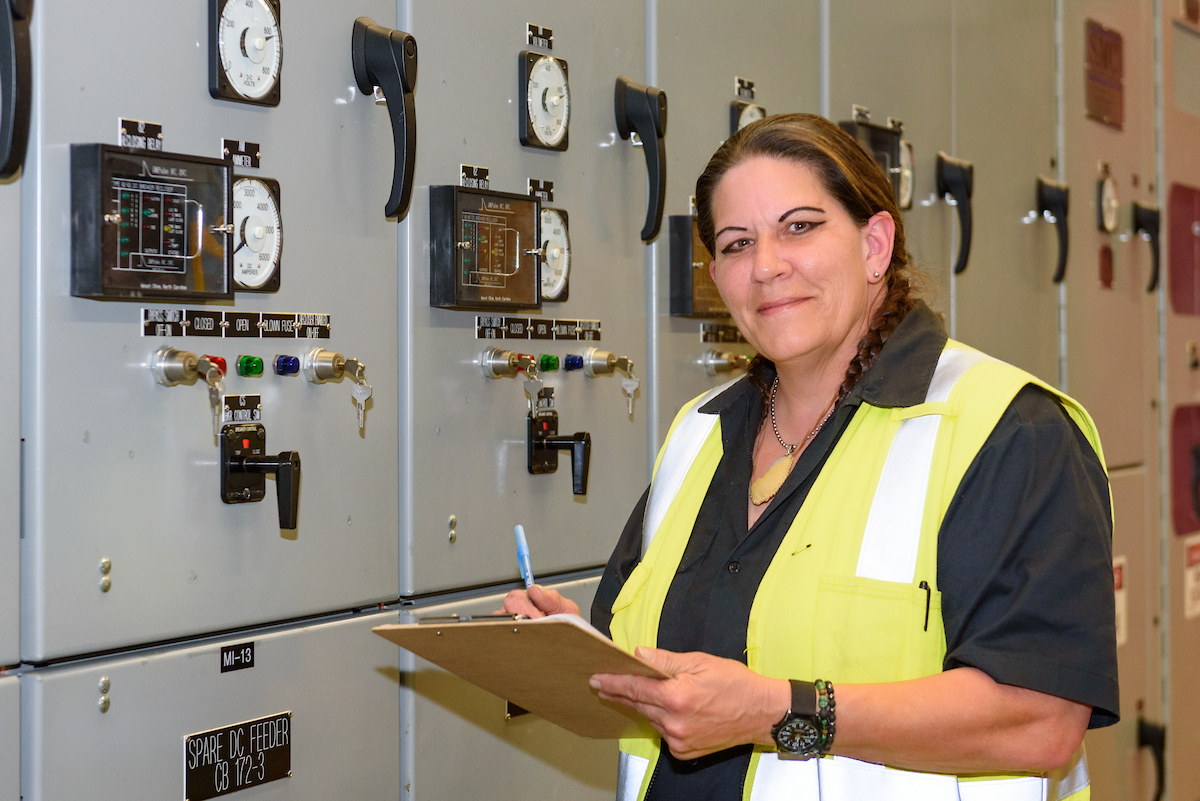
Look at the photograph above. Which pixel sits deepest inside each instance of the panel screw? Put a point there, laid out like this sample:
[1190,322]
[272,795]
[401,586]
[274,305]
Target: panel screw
[105,584]
[453,521]
[105,566]
[453,536]
[104,704]
[105,684]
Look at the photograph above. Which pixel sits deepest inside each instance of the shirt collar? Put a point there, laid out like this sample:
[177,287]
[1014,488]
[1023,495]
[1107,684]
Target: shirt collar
[899,377]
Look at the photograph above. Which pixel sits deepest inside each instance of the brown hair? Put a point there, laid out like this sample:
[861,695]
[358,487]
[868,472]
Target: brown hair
[858,184]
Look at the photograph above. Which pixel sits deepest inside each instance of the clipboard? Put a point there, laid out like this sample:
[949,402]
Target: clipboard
[542,665]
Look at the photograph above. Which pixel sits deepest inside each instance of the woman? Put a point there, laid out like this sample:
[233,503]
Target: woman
[880,545]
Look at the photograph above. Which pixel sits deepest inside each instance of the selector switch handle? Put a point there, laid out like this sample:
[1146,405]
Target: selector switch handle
[956,178]
[580,446]
[642,110]
[286,467]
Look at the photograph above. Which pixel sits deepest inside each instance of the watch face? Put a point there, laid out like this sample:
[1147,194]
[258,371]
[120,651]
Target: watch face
[797,736]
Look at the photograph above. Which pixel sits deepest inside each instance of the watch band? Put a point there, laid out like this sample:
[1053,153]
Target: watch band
[804,698]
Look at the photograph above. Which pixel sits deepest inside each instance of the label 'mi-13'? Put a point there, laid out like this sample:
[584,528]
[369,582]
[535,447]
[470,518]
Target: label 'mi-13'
[222,761]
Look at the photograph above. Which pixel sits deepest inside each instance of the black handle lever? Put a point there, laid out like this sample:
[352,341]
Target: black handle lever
[643,110]
[286,467]
[14,85]
[388,59]
[956,178]
[580,446]
[1145,222]
[1154,736]
[1052,199]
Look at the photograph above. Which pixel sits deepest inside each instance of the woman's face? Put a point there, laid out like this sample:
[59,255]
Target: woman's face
[794,269]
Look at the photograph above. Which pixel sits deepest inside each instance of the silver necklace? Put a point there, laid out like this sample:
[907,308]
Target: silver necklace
[815,430]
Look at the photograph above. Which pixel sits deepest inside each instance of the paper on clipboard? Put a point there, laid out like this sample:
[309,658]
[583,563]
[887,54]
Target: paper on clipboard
[542,665]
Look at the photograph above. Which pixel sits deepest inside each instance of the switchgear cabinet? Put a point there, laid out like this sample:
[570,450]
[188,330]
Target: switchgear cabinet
[136,725]
[463,435]
[128,536]
[463,742]
[770,58]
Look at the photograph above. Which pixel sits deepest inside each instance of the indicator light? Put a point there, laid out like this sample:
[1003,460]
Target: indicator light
[572,362]
[287,365]
[547,363]
[526,358]
[219,362]
[249,366]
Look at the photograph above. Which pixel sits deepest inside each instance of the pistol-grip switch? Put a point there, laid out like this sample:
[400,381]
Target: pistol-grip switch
[580,447]
[244,468]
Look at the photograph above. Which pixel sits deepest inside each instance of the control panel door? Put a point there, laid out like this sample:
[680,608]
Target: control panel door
[1111,324]
[301,713]
[536,758]
[519,102]
[139,527]
[768,61]
[1006,301]
[895,59]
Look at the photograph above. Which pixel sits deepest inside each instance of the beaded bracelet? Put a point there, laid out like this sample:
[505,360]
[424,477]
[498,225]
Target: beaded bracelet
[826,718]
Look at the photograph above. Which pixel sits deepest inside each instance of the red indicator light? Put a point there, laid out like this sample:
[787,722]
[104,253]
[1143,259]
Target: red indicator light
[245,443]
[219,362]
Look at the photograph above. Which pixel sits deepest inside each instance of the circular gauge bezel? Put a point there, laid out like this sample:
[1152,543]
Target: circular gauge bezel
[1108,205]
[234,22]
[542,127]
[750,113]
[555,279]
[905,186]
[244,242]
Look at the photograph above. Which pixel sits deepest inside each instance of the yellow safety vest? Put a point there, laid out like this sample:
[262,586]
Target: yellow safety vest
[841,598]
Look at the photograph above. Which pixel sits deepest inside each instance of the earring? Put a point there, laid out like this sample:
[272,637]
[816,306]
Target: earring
[876,273]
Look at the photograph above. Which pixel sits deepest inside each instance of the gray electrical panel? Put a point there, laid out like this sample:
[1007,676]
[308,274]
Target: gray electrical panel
[129,537]
[320,703]
[768,61]
[10,738]
[896,61]
[463,438]
[1014,248]
[463,742]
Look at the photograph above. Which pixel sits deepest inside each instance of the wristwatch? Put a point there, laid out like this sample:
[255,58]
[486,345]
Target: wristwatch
[806,729]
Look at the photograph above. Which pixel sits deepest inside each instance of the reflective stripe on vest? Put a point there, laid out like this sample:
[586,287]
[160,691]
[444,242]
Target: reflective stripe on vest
[889,552]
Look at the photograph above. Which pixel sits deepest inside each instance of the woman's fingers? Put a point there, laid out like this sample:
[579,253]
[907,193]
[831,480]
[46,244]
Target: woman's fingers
[538,601]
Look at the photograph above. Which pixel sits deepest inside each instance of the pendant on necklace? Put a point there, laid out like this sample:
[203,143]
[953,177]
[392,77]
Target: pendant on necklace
[767,486]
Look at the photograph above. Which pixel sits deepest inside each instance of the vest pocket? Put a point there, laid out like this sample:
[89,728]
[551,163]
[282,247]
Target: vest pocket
[868,631]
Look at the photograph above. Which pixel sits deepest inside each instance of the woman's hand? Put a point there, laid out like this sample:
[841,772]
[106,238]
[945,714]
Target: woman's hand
[710,703]
[538,601]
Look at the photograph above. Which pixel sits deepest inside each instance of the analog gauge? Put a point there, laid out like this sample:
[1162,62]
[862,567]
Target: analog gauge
[246,51]
[904,191]
[742,114]
[257,234]
[545,101]
[556,261]
[1108,204]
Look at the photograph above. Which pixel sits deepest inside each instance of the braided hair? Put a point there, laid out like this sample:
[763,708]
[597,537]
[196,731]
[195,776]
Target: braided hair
[858,184]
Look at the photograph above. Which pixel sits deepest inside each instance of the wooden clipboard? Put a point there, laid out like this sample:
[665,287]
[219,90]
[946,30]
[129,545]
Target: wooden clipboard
[541,665]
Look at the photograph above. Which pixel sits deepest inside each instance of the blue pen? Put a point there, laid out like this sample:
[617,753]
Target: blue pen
[523,556]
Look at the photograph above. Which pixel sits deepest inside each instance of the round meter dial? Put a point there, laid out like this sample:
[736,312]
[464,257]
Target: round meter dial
[742,114]
[1108,204]
[545,102]
[257,234]
[556,261]
[248,51]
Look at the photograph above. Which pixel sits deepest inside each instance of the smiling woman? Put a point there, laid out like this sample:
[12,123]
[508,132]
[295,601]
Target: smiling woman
[875,508]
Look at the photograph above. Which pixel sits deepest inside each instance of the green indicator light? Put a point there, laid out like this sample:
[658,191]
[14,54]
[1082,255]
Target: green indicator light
[249,366]
[547,363]
[124,240]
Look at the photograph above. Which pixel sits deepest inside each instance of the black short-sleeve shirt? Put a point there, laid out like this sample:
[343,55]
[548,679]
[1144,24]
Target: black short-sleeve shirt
[1024,551]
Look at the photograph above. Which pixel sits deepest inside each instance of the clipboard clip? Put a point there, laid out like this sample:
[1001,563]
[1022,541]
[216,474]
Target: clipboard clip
[442,620]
